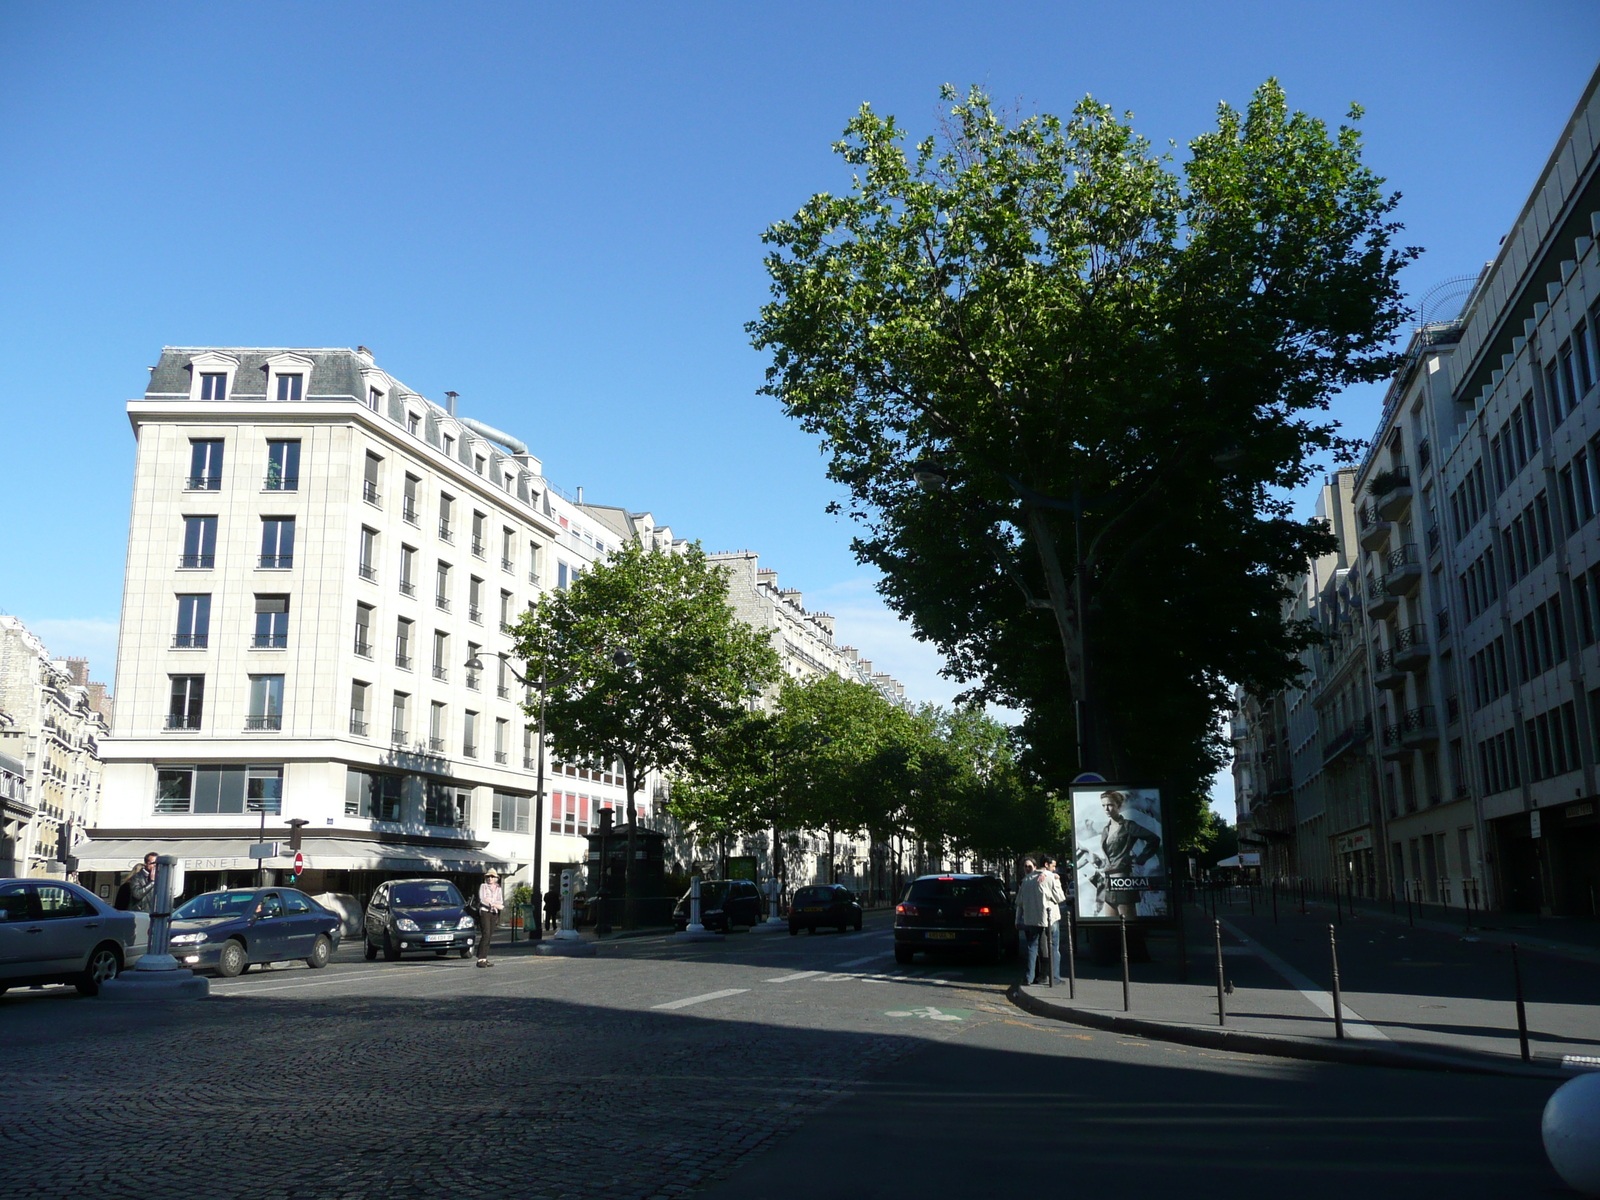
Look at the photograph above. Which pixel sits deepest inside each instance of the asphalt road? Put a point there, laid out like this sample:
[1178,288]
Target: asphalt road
[764,1066]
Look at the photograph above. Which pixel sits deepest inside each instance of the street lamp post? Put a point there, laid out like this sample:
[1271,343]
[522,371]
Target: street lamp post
[536,928]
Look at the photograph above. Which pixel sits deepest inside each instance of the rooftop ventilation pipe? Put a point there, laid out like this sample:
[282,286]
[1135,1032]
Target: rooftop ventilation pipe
[512,444]
[450,402]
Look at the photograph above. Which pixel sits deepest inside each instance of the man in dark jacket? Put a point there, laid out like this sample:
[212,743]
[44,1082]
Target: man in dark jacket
[142,886]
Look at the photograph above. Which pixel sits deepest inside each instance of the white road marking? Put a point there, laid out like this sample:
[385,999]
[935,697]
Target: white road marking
[684,1003]
[1354,1023]
[856,962]
[792,978]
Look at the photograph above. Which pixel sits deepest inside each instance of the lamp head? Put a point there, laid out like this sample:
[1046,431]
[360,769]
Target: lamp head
[474,663]
[929,474]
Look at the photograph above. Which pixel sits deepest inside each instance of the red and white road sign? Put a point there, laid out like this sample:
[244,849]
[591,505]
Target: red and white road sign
[299,862]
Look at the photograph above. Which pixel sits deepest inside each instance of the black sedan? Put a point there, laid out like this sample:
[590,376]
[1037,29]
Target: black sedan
[826,904]
[407,916]
[724,903]
[227,931]
[955,912]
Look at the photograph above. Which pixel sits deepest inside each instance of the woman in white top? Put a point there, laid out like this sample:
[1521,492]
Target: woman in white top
[490,901]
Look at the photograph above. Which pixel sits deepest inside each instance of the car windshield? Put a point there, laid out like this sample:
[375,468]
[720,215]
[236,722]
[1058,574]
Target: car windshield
[425,895]
[216,904]
[951,889]
[814,895]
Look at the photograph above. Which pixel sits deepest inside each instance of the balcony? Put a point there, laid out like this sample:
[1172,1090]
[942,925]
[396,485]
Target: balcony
[358,723]
[444,530]
[270,641]
[507,628]
[474,680]
[369,493]
[1380,603]
[276,562]
[1346,739]
[280,483]
[1391,490]
[1374,532]
[1442,623]
[503,692]
[196,562]
[368,572]
[190,641]
[442,674]
[1393,751]
[436,744]
[500,757]
[477,547]
[363,647]
[183,720]
[533,578]
[1411,652]
[203,483]
[507,565]
[442,603]
[475,614]
[407,588]
[271,722]
[408,511]
[528,763]
[468,750]
[1405,570]
[1385,674]
[402,659]
[1433,540]
[397,736]
[1420,729]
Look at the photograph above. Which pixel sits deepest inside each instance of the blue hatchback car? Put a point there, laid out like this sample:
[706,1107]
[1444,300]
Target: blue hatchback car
[227,931]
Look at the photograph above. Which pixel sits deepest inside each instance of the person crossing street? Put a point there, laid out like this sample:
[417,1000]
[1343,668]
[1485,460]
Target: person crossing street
[490,901]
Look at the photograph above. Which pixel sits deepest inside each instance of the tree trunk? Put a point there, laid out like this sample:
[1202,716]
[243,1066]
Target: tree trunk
[630,784]
[1070,609]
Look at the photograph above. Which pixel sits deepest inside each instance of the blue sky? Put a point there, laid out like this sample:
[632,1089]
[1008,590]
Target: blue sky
[555,211]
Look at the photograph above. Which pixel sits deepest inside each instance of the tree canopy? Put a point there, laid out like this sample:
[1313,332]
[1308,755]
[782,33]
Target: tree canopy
[1119,368]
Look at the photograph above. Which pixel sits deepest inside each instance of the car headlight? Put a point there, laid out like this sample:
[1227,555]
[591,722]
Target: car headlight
[186,939]
[406,925]
[466,922]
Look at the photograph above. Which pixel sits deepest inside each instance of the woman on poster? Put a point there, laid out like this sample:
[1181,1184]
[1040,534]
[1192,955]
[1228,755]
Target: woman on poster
[1125,846]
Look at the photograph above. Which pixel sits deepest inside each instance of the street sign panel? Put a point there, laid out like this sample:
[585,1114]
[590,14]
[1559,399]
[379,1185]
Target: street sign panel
[264,850]
[299,863]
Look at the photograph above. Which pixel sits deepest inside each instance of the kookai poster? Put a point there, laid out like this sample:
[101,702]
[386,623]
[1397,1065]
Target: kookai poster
[1120,862]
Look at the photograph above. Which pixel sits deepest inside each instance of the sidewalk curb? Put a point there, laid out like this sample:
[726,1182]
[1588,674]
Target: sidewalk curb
[1278,1046]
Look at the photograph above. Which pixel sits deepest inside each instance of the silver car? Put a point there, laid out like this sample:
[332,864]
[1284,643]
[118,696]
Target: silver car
[56,932]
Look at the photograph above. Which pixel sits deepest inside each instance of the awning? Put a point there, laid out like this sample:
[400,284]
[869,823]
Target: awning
[321,854]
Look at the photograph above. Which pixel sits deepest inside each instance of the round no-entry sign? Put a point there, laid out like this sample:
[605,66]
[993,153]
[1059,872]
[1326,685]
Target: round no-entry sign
[299,862]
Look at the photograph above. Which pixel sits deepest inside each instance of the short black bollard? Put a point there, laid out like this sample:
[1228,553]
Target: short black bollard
[1072,956]
[1222,1004]
[1250,887]
[1522,1009]
[1393,904]
[1122,920]
[1338,1004]
[1410,920]
[1047,941]
[1338,906]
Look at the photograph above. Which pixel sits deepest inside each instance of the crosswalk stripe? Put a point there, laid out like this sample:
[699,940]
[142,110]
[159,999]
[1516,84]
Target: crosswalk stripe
[792,978]
[688,1000]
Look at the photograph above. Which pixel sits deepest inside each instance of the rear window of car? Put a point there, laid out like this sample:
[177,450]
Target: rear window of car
[814,895]
[952,889]
[425,895]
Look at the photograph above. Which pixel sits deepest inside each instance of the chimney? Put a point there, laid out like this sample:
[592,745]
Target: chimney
[580,493]
[450,406]
[363,353]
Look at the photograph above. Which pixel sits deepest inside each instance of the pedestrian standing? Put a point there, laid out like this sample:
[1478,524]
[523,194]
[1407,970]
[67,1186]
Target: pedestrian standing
[142,886]
[1054,897]
[1030,918]
[490,901]
[552,909]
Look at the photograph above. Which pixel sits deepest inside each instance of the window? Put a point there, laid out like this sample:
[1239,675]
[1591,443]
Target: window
[199,543]
[449,445]
[194,622]
[374,795]
[533,563]
[290,387]
[413,423]
[473,678]
[272,622]
[402,644]
[436,727]
[366,562]
[510,812]
[479,462]
[445,805]
[475,600]
[232,788]
[469,734]
[503,688]
[369,480]
[508,541]
[364,630]
[408,558]
[205,465]
[408,502]
[358,707]
[445,504]
[561,575]
[505,612]
[186,702]
[502,740]
[441,586]
[397,718]
[277,542]
[283,466]
[478,520]
[441,655]
[266,702]
[374,399]
[214,385]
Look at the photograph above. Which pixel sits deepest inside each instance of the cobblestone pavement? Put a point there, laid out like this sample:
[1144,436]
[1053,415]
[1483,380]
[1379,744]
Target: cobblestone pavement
[538,1078]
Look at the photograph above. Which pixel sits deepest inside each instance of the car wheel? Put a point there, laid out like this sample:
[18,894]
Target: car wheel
[391,949]
[369,951]
[844,929]
[232,962]
[793,929]
[103,967]
[858,924]
[321,952]
[903,954]
[810,929]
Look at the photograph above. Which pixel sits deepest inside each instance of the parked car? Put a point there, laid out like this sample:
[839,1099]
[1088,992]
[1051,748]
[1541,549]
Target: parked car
[724,903]
[412,915]
[828,904]
[955,912]
[226,931]
[58,932]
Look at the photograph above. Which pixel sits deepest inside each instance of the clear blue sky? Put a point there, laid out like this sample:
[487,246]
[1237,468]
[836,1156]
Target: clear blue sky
[555,211]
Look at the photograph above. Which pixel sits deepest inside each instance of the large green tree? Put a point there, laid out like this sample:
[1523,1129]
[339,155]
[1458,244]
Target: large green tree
[1118,369]
[645,663]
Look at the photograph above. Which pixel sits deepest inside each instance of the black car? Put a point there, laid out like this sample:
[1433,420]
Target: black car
[227,931]
[955,912]
[724,903]
[412,915]
[827,904]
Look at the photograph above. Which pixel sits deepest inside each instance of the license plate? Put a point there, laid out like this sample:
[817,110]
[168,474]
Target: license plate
[812,908]
[440,937]
[951,936]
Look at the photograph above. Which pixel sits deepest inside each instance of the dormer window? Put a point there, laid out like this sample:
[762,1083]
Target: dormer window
[213,386]
[287,375]
[374,399]
[290,387]
[413,421]
[479,462]
[449,446]
[211,376]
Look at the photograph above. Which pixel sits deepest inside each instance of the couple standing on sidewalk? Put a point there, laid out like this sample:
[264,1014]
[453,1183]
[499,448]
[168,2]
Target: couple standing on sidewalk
[1039,900]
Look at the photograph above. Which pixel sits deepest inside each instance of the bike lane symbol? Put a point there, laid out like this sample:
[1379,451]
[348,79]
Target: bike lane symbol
[929,1013]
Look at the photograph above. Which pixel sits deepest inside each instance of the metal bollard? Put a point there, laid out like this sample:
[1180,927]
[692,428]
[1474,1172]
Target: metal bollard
[1338,1004]
[1122,921]
[1522,1009]
[1072,956]
[1222,1004]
